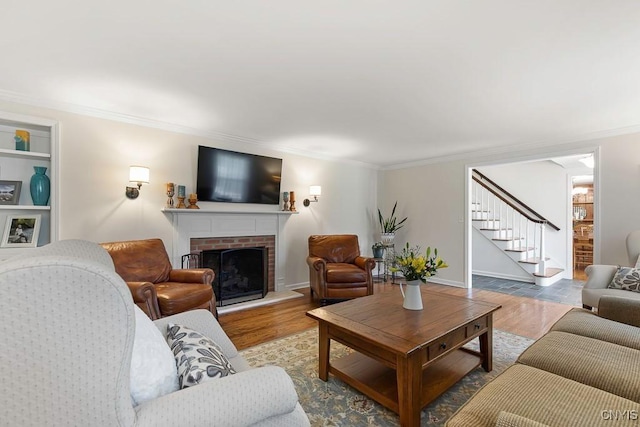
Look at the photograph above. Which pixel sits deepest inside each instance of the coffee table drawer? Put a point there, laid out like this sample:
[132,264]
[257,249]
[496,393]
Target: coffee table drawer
[446,343]
[477,326]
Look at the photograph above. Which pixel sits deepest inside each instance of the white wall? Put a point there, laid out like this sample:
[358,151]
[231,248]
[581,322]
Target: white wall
[95,155]
[432,197]
[619,196]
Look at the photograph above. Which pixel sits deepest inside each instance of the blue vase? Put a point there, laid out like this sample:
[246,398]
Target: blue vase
[40,186]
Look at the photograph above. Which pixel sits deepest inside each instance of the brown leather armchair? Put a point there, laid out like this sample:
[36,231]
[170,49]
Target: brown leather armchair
[336,269]
[157,288]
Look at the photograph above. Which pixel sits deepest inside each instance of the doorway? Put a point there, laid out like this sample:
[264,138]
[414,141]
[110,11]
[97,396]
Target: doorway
[578,224]
[583,217]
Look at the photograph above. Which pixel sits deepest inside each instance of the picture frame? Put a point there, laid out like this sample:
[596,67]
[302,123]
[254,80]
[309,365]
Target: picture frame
[10,192]
[21,231]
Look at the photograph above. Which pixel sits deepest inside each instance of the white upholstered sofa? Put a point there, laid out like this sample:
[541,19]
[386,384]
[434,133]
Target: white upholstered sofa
[68,328]
[599,276]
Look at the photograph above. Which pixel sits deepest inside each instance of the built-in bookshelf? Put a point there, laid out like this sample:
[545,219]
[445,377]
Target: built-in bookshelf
[16,170]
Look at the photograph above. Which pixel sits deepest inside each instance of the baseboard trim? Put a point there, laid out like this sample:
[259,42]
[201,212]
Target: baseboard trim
[504,276]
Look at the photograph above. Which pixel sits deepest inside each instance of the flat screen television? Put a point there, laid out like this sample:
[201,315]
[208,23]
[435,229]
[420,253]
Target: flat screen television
[233,177]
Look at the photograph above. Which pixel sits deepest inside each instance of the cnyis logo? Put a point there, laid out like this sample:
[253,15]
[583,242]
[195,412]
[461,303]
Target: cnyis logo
[617,415]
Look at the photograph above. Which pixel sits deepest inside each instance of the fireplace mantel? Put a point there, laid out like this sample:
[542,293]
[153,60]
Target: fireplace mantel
[221,211]
[203,223]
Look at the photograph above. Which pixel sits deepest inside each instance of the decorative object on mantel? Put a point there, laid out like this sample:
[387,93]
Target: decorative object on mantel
[138,175]
[170,193]
[10,192]
[40,186]
[292,198]
[193,199]
[416,267]
[285,201]
[390,225]
[181,197]
[315,191]
[23,140]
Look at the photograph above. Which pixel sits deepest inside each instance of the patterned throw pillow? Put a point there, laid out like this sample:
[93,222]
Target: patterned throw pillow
[198,358]
[627,279]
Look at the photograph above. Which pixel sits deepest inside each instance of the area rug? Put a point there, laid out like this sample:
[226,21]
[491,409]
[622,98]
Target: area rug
[334,403]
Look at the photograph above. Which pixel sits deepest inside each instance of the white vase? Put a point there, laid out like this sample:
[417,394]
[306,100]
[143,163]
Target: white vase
[412,296]
[387,238]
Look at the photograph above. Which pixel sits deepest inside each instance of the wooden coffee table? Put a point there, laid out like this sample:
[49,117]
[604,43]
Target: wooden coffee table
[404,359]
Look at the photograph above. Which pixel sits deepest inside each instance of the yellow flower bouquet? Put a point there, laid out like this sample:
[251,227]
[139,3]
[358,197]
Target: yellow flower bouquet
[415,265]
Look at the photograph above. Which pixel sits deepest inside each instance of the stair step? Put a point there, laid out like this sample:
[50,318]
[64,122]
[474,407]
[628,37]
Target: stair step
[495,229]
[550,272]
[533,260]
[519,250]
[485,219]
[513,239]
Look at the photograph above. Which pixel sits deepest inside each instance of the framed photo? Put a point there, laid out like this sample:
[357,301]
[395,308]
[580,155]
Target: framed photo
[21,231]
[10,192]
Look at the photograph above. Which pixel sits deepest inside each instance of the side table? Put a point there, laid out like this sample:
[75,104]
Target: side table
[389,261]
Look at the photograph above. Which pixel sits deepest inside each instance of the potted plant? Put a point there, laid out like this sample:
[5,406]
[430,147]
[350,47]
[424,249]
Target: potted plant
[378,249]
[416,266]
[390,225]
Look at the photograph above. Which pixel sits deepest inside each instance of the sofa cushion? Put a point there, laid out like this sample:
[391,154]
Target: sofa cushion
[153,368]
[586,323]
[174,297]
[507,419]
[140,260]
[198,358]
[627,279]
[542,397]
[345,273]
[609,367]
[335,247]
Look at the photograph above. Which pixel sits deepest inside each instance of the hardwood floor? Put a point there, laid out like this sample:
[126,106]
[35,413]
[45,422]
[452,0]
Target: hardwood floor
[519,315]
[579,274]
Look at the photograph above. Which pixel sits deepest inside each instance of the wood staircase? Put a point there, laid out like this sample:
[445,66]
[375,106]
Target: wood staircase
[514,228]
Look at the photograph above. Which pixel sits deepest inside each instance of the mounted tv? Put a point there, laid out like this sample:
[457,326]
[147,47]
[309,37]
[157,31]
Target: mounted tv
[232,177]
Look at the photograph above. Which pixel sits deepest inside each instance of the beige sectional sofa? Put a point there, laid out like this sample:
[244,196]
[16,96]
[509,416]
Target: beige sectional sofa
[584,372]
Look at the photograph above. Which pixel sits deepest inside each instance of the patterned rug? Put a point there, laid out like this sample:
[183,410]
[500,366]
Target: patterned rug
[336,404]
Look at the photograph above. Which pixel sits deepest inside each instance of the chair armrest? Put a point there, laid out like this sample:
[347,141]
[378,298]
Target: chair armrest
[192,275]
[241,399]
[599,276]
[203,322]
[620,309]
[144,293]
[317,263]
[365,263]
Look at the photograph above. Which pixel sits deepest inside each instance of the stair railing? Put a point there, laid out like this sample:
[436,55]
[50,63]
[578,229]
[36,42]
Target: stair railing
[512,218]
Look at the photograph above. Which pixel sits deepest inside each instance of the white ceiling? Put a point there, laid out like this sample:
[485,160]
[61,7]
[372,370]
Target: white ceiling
[382,82]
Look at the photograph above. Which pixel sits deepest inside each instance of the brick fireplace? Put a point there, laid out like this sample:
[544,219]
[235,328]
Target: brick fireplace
[269,242]
[195,230]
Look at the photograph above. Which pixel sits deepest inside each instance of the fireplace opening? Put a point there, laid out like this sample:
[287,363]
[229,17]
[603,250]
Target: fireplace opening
[240,273]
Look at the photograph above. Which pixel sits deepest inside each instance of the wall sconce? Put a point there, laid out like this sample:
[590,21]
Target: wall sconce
[315,191]
[138,175]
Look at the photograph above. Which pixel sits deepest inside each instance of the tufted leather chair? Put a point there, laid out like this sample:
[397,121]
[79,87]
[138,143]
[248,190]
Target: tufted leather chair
[336,269]
[141,262]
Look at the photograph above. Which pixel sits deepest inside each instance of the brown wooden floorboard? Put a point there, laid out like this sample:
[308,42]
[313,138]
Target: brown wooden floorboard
[524,316]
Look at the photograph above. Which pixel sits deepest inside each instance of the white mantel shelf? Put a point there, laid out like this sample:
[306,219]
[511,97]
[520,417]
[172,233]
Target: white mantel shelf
[220,211]
[214,223]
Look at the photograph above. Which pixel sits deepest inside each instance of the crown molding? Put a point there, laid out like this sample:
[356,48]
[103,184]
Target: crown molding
[524,150]
[82,110]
